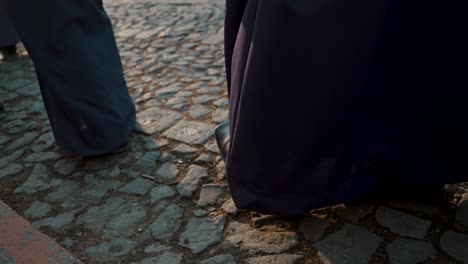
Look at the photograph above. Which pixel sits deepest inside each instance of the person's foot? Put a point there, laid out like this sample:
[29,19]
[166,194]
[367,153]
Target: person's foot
[9,50]
[223,138]
[1,107]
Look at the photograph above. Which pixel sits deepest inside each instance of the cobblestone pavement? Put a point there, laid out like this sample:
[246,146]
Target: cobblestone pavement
[108,210]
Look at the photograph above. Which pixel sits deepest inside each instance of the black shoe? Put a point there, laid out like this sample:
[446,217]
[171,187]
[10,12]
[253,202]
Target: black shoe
[223,138]
[9,50]
[1,107]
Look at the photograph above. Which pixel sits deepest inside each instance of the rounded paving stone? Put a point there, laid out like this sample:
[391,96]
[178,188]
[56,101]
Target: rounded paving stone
[4,139]
[229,207]
[268,241]
[145,164]
[202,233]
[155,120]
[66,166]
[401,223]
[22,141]
[221,259]
[455,245]
[210,194]
[192,180]
[115,248]
[275,259]
[165,258]
[167,223]
[313,227]
[190,132]
[38,209]
[184,151]
[161,192]
[126,222]
[42,156]
[37,181]
[351,244]
[97,216]
[156,248]
[11,158]
[403,251]
[11,169]
[138,186]
[57,222]
[168,170]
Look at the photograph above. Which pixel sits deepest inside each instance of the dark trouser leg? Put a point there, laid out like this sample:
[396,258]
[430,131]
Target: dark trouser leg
[80,74]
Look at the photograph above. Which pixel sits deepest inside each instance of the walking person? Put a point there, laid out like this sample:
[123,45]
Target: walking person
[80,74]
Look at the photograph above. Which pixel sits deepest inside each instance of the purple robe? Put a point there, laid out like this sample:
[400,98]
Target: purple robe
[322,91]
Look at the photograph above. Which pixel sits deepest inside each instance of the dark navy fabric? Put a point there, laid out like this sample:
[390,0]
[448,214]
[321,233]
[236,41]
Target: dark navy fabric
[320,89]
[80,74]
[8,34]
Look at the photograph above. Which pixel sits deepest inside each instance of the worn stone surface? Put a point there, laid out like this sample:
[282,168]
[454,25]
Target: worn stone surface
[190,132]
[22,141]
[97,188]
[210,194]
[66,166]
[455,245]
[313,227]
[145,164]
[44,142]
[10,158]
[125,222]
[161,192]
[274,259]
[138,186]
[167,171]
[156,248]
[198,111]
[42,156]
[221,259]
[351,244]
[402,223]
[57,222]
[66,190]
[167,223]
[229,207]
[425,209]
[115,248]
[403,251]
[202,233]
[155,120]
[38,209]
[97,216]
[37,181]
[165,258]
[11,169]
[4,139]
[248,238]
[192,180]
[184,151]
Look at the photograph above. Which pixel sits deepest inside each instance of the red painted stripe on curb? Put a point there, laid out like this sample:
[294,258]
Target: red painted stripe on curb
[21,243]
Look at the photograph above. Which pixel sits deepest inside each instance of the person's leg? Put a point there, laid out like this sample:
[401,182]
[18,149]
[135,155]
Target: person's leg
[80,74]
[8,36]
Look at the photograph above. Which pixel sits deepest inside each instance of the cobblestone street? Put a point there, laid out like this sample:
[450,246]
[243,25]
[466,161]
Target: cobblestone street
[165,200]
